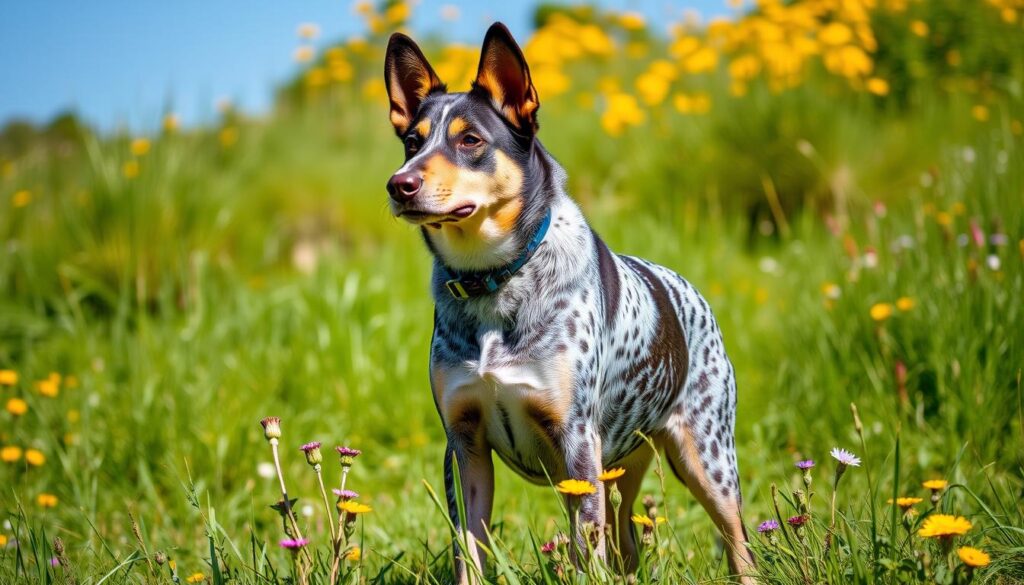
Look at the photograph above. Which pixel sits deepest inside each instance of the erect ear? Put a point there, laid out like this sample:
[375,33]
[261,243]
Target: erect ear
[409,79]
[504,78]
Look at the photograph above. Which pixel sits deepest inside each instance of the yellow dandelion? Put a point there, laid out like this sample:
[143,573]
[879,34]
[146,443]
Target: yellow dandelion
[8,377]
[140,146]
[973,557]
[611,474]
[944,218]
[944,526]
[35,457]
[881,311]
[10,454]
[354,554]
[171,123]
[397,13]
[646,521]
[21,198]
[576,487]
[835,34]
[878,86]
[17,406]
[632,20]
[905,503]
[130,169]
[3,540]
[980,112]
[195,578]
[354,508]
[46,500]
[905,303]
[919,28]
[935,484]
[49,387]
[228,136]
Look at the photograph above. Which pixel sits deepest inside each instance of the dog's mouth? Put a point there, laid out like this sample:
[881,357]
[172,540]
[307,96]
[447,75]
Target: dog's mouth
[435,219]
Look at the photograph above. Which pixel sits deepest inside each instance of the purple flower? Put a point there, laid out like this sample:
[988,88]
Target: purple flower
[294,544]
[768,526]
[806,464]
[313,455]
[310,446]
[797,521]
[54,562]
[347,451]
[345,495]
[348,455]
[548,547]
[844,457]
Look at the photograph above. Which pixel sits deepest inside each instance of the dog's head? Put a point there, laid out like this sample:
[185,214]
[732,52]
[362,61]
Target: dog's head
[472,167]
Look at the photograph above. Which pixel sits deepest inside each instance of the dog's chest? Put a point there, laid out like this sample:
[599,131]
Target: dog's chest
[516,402]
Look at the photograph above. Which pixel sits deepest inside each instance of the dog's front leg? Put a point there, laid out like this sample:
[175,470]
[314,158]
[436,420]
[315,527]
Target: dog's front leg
[587,513]
[476,471]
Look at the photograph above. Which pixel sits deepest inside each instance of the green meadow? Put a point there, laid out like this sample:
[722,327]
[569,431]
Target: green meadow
[161,292]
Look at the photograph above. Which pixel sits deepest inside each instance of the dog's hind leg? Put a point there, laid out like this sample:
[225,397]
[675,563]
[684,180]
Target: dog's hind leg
[699,445]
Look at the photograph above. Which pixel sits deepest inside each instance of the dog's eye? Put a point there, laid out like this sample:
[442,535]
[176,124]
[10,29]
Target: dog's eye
[412,143]
[470,140]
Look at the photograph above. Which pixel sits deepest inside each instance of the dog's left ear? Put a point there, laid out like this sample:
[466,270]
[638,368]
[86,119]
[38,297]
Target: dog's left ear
[409,79]
[504,78]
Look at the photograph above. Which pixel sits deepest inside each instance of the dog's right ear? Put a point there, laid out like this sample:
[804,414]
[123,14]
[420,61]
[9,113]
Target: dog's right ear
[409,79]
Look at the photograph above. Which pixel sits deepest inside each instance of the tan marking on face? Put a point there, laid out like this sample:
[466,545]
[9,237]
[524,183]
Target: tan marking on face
[399,121]
[423,128]
[457,125]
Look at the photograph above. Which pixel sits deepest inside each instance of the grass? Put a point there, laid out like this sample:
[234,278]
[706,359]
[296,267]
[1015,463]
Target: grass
[257,272]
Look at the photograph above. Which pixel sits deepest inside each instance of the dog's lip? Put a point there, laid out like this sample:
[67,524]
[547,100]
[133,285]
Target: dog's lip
[433,217]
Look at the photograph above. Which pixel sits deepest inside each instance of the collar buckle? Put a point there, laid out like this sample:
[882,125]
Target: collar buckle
[455,287]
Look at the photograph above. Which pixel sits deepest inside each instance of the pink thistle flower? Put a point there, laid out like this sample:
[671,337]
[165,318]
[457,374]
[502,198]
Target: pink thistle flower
[271,427]
[768,526]
[345,495]
[548,547]
[312,451]
[294,544]
[797,521]
[348,455]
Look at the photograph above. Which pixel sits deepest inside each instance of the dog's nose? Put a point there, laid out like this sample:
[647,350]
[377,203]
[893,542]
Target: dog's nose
[404,186]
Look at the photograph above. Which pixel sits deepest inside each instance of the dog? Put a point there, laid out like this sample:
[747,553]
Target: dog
[547,348]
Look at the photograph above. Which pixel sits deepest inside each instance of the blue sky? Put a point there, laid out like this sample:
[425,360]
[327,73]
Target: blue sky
[123,63]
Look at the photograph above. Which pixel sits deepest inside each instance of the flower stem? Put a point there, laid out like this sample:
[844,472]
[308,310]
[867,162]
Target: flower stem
[327,505]
[284,497]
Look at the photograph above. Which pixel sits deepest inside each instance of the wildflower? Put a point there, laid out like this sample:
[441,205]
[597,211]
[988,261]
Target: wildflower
[46,500]
[345,495]
[905,303]
[980,112]
[303,54]
[35,457]
[831,290]
[905,503]
[312,451]
[354,508]
[139,146]
[845,459]
[973,557]
[308,30]
[944,526]
[294,544]
[548,547]
[21,198]
[878,86]
[347,455]
[17,406]
[768,526]
[881,311]
[271,428]
[919,28]
[50,387]
[8,377]
[265,470]
[196,578]
[806,464]
[632,20]
[576,487]
[797,521]
[171,123]
[130,169]
[936,486]
[611,474]
[646,521]
[354,554]
[10,454]
[3,540]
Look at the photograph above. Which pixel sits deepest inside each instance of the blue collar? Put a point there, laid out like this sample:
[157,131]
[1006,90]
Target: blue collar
[465,285]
